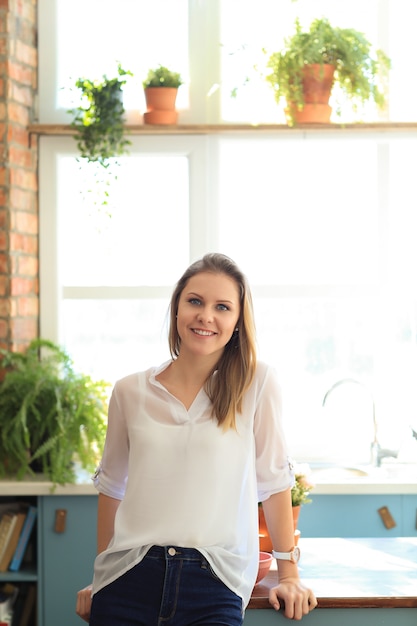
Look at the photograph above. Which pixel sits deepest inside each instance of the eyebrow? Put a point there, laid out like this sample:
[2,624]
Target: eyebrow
[193,293]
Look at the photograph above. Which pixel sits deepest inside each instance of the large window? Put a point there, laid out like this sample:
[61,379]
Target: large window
[323,223]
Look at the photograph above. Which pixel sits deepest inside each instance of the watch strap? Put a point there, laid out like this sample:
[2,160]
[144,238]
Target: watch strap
[292,556]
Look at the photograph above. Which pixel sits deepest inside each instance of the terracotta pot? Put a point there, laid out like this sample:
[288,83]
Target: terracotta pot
[295,515]
[265,543]
[160,105]
[317,87]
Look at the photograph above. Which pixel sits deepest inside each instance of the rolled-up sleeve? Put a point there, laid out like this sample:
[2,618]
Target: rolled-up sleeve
[111,476]
[273,466]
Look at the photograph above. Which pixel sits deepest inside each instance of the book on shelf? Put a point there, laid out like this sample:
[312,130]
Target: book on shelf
[7,523]
[24,537]
[24,608]
[29,607]
[19,520]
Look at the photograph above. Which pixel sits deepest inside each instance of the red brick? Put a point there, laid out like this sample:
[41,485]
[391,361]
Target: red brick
[28,266]
[22,286]
[4,176]
[18,134]
[18,113]
[21,200]
[24,222]
[26,54]
[4,264]
[3,240]
[4,329]
[20,73]
[23,243]
[23,178]
[28,307]
[4,307]
[4,285]
[20,156]
[4,221]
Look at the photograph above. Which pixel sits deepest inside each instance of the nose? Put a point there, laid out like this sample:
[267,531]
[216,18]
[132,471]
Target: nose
[205,315]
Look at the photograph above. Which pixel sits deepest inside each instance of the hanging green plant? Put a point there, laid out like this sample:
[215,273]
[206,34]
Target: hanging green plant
[99,119]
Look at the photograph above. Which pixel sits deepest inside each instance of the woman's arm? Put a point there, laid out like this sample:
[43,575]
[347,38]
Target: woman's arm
[106,513]
[298,599]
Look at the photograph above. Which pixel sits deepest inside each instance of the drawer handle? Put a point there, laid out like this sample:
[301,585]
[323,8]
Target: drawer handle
[60,520]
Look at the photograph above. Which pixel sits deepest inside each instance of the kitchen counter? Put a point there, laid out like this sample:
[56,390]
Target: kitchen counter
[363,582]
[348,573]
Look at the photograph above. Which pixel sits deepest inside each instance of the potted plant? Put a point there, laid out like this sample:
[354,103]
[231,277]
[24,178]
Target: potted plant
[341,56]
[99,119]
[161,88]
[50,415]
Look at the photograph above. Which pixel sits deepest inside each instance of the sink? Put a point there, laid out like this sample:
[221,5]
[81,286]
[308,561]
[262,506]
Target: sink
[338,472]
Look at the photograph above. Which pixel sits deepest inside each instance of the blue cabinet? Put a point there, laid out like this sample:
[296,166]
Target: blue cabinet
[66,544]
[357,516]
[341,617]
[67,556]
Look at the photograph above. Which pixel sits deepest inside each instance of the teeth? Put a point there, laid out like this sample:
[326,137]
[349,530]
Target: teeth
[205,333]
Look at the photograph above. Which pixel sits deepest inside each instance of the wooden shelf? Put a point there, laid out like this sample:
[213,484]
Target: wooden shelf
[207,129]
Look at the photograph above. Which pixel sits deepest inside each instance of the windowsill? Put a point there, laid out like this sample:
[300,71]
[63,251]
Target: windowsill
[207,129]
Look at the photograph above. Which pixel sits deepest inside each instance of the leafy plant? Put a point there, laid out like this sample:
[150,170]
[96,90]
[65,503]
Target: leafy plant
[359,69]
[162,77]
[98,120]
[301,489]
[49,414]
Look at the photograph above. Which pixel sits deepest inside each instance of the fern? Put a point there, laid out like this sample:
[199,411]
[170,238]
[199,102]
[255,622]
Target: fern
[49,413]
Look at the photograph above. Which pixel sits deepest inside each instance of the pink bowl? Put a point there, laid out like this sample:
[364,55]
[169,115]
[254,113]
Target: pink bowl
[265,560]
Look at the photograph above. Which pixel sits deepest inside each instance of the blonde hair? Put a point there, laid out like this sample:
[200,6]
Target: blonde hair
[236,367]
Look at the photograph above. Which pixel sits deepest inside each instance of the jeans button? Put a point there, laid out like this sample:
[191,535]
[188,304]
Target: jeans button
[172,551]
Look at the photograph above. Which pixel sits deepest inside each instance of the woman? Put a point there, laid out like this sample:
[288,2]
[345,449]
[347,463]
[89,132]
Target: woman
[191,448]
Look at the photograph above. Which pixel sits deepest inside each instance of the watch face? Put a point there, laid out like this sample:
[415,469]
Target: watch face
[296,554]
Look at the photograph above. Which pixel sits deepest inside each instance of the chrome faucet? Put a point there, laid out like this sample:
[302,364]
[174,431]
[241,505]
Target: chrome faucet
[377,452]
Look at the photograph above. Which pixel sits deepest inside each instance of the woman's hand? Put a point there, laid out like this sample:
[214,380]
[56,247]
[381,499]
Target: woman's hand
[298,599]
[83,606]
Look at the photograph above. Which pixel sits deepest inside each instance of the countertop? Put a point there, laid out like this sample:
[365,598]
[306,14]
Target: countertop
[353,573]
[364,480]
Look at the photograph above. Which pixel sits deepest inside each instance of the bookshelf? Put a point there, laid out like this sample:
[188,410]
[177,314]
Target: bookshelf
[55,550]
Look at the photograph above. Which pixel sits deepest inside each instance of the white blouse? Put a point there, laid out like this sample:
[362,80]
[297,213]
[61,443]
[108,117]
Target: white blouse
[183,481]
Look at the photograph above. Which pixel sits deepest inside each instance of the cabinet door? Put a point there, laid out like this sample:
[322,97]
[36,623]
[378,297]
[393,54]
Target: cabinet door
[350,516]
[410,515]
[69,548]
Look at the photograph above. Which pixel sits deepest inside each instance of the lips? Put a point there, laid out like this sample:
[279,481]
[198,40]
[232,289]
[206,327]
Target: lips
[203,333]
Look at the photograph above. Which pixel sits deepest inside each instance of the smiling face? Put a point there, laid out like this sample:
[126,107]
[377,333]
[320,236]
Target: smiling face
[207,315]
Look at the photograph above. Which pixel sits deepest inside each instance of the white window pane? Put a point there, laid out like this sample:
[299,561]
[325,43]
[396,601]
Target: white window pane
[121,35]
[144,241]
[314,343]
[402,226]
[300,212]
[110,339]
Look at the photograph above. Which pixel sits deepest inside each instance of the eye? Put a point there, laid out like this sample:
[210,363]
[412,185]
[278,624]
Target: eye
[195,301]
[223,307]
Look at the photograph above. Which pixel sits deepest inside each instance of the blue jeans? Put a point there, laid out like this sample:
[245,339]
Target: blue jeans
[169,587]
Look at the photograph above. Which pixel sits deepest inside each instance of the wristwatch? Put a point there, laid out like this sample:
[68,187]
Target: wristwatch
[293,556]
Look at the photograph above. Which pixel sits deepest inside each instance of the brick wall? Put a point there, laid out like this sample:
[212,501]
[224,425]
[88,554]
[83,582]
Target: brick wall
[19,283]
